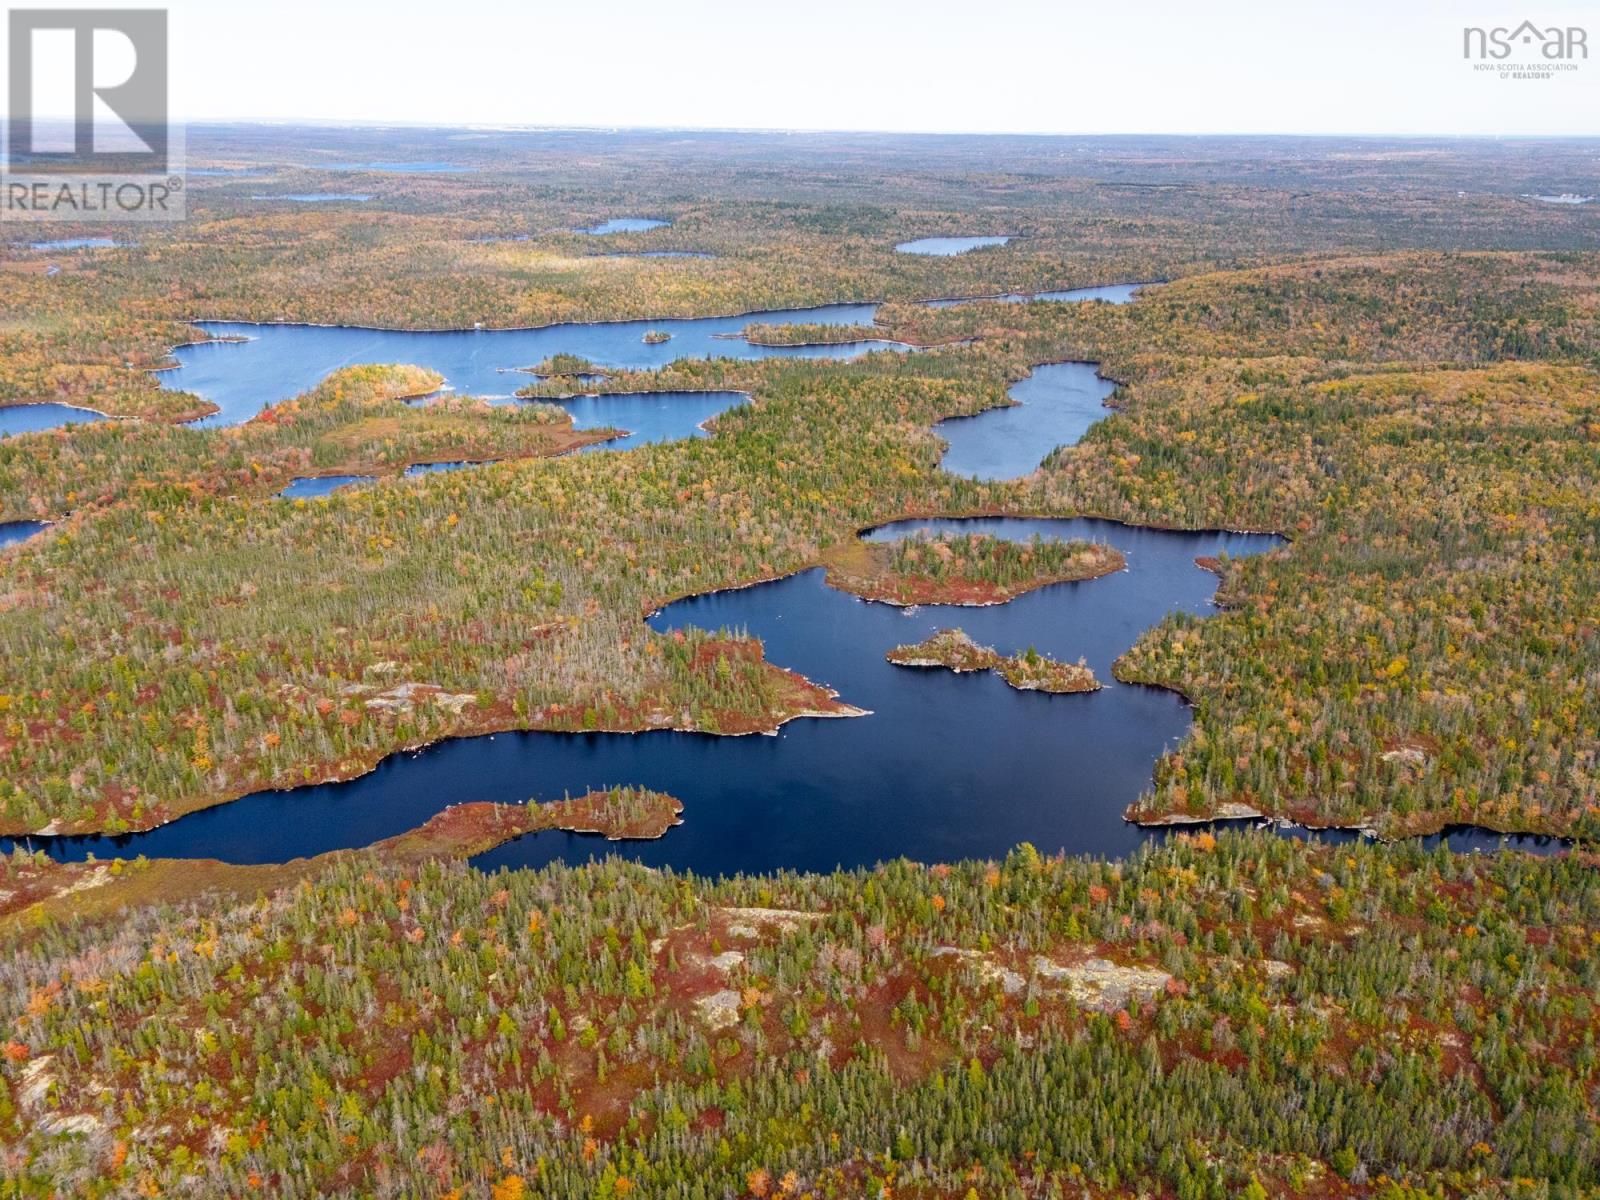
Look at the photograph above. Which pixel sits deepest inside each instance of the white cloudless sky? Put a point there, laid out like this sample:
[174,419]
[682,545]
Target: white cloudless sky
[1048,66]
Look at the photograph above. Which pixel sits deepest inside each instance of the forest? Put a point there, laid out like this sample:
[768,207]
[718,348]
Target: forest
[1219,1016]
[1364,348]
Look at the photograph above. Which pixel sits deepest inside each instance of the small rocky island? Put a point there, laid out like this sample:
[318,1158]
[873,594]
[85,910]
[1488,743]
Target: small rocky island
[656,337]
[1029,671]
[462,830]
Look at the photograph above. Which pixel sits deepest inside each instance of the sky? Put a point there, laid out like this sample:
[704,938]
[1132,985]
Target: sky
[1044,66]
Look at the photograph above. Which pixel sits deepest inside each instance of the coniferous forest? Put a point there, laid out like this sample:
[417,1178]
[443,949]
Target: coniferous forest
[1296,987]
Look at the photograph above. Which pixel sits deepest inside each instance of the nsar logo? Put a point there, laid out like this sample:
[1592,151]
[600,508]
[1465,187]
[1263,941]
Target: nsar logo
[1554,44]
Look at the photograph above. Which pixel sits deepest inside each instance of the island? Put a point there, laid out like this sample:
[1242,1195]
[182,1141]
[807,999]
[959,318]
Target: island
[462,830]
[759,333]
[970,569]
[565,365]
[1029,671]
[656,337]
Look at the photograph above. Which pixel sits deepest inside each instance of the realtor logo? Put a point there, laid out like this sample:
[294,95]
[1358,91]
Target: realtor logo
[89,88]
[88,137]
[1552,44]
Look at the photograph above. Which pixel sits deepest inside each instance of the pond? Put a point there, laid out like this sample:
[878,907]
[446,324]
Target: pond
[397,168]
[649,417]
[946,246]
[309,487]
[625,225]
[31,418]
[81,243]
[318,197]
[1111,293]
[13,532]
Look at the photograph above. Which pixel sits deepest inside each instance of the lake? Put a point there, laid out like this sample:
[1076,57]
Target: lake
[276,362]
[945,246]
[82,243]
[1111,293]
[1056,404]
[280,361]
[12,532]
[31,418]
[317,197]
[625,225]
[649,416]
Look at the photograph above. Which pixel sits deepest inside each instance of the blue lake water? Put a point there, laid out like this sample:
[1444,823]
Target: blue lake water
[649,416]
[12,532]
[945,246]
[280,361]
[31,418]
[317,197]
[1056,405]
[309,487]
[1113,293]
[82,243]
[945,766]
[625,225]
[397,168]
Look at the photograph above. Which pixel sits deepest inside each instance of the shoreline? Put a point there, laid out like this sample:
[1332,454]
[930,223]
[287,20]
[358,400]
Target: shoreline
[491,727]
[1254,819]
[640,320]
[104,416]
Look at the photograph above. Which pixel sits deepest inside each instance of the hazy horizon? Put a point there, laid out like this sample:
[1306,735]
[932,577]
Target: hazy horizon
[1149,68]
